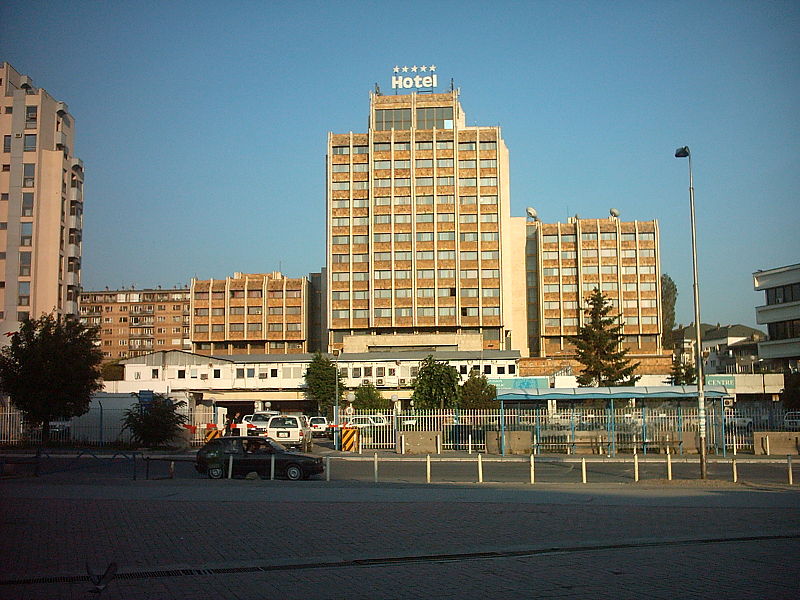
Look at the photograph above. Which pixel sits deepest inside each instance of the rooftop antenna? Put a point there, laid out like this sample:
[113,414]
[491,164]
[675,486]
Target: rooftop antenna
[377,89]
[452,85]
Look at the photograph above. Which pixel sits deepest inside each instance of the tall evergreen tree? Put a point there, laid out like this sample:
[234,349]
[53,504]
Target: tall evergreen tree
[436,385]
[321,382]
[669,295]
[682,373]
[50,369]
[598,346]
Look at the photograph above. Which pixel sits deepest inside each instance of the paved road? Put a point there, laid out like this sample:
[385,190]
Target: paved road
[192,538]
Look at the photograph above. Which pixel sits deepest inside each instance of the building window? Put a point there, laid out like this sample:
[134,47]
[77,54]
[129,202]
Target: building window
[29,142]
[439,117]
[341,149]
[31,116]
[26,234]
[28,175]
[394,118]
[25,264]
[6,143]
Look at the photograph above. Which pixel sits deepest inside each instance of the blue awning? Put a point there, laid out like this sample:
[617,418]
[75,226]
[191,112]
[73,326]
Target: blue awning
[608,393]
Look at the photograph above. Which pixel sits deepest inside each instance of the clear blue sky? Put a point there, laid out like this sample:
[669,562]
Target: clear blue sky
[203,125]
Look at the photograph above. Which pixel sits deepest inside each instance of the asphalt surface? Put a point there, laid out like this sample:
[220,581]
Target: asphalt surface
[190,537]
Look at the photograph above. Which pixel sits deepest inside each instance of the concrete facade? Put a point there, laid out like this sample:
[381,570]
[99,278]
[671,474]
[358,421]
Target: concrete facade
[250,313]
[419,228]
[781,314]
[41,203]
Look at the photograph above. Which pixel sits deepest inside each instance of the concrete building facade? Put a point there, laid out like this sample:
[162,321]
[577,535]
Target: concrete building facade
[565,262]
[135,322]
[41,203]
[781,315]
[250,313]
[420,238]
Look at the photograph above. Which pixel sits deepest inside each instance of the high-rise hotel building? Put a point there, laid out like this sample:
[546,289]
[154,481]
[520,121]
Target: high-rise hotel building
[420,238]
[567,261]
[41,204]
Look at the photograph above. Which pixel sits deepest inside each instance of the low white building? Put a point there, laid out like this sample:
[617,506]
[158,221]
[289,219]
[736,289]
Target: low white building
[250,382]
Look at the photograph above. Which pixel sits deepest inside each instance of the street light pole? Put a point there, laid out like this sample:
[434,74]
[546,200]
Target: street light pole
[698,353]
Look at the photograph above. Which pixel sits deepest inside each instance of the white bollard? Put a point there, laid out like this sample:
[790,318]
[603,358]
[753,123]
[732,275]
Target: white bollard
[635,466]
[327,468]
[402,444]
[767,438]
[669,465]
[172,469]
[789,465]
[469,444]
[230,466]
[480,469]
[734,442]
[428,468]
[359,442]
[533,472]
[583,469]
[734,472]
[272,467]
[376,467]
[438,444]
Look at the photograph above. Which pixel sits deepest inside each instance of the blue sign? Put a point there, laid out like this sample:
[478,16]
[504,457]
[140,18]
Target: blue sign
[520,383]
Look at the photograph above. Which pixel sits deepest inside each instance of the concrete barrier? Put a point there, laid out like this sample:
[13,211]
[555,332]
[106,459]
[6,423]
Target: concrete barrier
[781,443]
[516,442]
[419,442]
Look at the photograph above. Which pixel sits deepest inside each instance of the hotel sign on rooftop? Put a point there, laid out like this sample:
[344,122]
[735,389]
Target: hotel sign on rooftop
[429,78]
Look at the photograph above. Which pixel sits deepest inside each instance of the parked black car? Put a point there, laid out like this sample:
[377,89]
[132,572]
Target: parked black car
[254,454]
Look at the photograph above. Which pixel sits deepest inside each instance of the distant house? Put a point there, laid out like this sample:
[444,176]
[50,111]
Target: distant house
[726,348]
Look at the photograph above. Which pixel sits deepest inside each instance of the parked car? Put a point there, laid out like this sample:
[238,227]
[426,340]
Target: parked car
[362,421]
[319,427]
[257,422]
[738,422]
[60,431]
[254,455]
[290,430]
[791,420]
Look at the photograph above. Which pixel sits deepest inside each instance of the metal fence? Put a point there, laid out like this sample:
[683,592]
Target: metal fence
[605,430]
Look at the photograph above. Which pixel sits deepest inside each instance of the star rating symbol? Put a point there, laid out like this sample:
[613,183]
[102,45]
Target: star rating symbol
[414,69]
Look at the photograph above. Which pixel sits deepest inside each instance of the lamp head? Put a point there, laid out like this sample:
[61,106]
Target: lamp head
[682,152]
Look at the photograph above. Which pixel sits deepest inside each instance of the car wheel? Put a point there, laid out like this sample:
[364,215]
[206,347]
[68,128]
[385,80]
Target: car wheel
[215,472]
[294,473]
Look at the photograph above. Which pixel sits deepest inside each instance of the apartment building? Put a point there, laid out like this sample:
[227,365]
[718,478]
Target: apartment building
[781,315]
[420,238]
[250,313]
[565,262]
[41,203]
[135,322]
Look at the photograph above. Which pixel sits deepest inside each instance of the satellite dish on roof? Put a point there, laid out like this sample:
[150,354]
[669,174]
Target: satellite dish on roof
[531,212]
[614,212]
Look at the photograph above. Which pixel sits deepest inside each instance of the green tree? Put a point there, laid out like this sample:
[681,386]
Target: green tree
[50,369]
[369,398]
[669,295]
[598,346]
[477,392]
[682,373]
[321,382]
[436,385]
[155,423]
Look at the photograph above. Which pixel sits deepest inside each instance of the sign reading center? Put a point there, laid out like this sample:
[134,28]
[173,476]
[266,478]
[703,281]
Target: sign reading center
[415,81]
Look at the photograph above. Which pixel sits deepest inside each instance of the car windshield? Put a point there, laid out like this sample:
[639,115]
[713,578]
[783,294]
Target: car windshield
[317,420]
[283,422]
[262,418]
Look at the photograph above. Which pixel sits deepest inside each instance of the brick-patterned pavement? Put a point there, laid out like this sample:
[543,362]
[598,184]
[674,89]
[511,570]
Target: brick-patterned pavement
[359,540]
